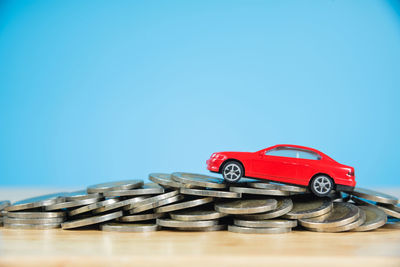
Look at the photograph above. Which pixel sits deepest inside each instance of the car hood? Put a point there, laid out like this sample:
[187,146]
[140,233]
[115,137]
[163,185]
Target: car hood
[235,154]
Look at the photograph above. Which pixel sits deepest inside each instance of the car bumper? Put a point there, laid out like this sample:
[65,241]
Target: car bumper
[345,182]
[213,165]
[346,188]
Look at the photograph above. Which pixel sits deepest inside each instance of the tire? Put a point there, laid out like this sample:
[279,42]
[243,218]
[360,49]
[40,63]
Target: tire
[232,171]
[322,185]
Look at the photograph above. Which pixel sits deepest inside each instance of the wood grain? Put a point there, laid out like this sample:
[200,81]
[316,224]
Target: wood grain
[168,248]
[59,247]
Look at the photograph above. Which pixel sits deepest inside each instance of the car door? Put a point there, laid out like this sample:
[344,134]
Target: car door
[308,162]
[277,164]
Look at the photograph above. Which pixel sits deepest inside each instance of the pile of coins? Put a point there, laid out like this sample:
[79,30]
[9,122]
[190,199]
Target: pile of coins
[3,205]
[193,202]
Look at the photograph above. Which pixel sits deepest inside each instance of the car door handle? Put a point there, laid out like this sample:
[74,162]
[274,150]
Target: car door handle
[289,163]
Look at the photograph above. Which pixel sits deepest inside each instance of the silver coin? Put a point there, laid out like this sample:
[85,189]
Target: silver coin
[129,227]
[165,180]
[111,186]
[32,226]
[375,218]
[290,188]
[37,202]
[390,206]
[118,205]
[146,189]
[308,207]
[284,205]
[342,213]
[34,221]
[251,230]
[246,206]
[185,205]
[392,224]
[210,193]
[196,215]
[72,204]
[140,217]
[347,227]
[390,210]
[262,185]
[93,206]
[91,220]
[374,196]
[256,191]
[198,180]
[4,204]
[155,204]
[218,227]
[266,223]
[81,195]
[35,214]
[153,199]
[191,224]
[282,187]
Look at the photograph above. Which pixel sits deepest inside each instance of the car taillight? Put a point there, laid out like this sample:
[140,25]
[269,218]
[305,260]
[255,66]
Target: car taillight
[350,173]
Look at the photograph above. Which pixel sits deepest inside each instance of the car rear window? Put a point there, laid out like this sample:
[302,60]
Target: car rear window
[308,155]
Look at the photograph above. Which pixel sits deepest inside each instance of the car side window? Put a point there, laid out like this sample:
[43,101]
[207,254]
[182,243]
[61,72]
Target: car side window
[282,152]
[308,155]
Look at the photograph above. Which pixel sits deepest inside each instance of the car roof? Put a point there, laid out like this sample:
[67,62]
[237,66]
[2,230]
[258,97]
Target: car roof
[296,146]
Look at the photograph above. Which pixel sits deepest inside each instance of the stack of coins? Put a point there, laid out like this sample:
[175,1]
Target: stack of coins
[342,217]
[196,211]
[109,205]
[253,208]
[194,202]
[33,220]
[3,204]
[31,213]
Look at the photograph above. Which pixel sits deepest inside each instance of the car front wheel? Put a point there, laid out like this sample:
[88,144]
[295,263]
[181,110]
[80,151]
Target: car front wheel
[321,185]
[232,171]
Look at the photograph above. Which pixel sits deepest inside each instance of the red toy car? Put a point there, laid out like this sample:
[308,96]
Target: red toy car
[290,164]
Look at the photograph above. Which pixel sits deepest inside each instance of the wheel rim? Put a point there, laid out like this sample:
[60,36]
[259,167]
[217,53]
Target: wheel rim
[322,185]
[232,172]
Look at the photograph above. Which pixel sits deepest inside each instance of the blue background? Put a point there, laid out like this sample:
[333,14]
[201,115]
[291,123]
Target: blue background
[92,91]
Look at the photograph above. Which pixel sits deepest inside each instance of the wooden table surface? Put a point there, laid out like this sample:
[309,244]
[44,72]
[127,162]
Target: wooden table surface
[168,248]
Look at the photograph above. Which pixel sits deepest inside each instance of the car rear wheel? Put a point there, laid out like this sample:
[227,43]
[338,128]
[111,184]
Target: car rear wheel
[321,185]
[232,171]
